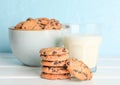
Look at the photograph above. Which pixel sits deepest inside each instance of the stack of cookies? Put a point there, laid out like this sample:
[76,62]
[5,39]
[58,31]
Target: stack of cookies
[54,63]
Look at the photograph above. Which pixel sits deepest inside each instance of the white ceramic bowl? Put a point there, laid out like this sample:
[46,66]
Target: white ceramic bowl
[26,45]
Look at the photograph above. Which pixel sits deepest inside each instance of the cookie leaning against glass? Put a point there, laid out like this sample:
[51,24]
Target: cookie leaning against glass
[54,63]
[78,69]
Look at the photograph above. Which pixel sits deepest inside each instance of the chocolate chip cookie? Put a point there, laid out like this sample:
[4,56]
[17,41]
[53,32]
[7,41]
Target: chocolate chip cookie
[54,51]
[31,24]
[54,70]
[53,63]
[55,57]
[55,76]
[78,69]
[19,26]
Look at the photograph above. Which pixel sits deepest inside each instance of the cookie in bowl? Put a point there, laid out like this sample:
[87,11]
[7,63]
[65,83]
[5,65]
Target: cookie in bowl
[39,24]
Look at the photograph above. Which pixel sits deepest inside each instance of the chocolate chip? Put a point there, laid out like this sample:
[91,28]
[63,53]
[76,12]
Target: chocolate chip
[53,70]
[44,53]
[29,19]
[79,72]
[64,66]
[42,26]
[44,73]
[44,66]
[75,70]
[39,20]
[56,23]
[66,74]
[56,62]
[54,28]
[54,52]
[49,67]
[51,22]
[59,55]
[64,50]
[48,61]
[85,75]
[60,61]
[68,63]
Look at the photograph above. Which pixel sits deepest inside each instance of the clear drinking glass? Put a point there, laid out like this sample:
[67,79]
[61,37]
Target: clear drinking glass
[83,42]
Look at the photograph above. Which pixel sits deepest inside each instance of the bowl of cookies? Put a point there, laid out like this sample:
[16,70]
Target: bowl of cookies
[31,35]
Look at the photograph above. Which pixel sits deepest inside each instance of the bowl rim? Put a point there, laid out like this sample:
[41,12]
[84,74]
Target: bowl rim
[12,28]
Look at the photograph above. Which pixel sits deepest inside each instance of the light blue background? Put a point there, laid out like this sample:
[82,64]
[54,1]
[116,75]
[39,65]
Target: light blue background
[67,11]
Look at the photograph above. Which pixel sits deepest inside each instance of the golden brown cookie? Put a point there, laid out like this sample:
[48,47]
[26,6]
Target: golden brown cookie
[19,25]
[39,24]
[31,24]
[43,21]
[55,57]
[54,22]
[53,63]
[59,26]
[78,69]
[54,25]
[30,19]
[54,70]
[54,51]
[55,76]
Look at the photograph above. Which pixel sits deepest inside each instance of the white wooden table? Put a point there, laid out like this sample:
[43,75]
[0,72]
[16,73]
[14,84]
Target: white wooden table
[13,72]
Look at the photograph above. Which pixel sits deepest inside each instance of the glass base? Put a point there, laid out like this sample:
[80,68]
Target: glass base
[94,69]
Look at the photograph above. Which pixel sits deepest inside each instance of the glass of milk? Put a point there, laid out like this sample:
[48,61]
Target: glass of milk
[83,42]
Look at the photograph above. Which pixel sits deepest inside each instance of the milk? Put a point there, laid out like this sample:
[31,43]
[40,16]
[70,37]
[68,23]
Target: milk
[84,47]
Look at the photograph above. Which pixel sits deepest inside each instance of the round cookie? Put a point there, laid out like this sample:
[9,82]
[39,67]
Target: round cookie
[55,76]
[44,21]
[78,69]
[55,57]
[59,26]
[53,63]
[54,70]
[54,51]
[31,24]
[19,25]
[54,25]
